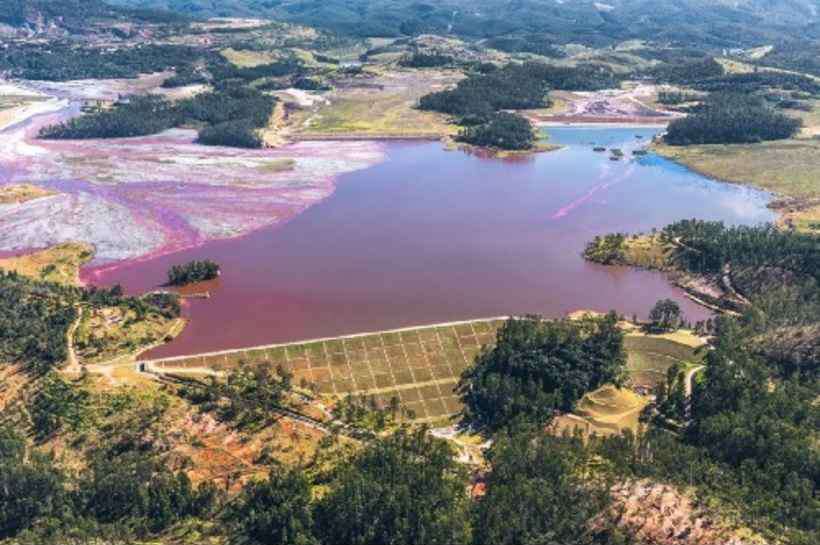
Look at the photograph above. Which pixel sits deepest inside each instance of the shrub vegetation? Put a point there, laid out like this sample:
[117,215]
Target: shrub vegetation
[193,271]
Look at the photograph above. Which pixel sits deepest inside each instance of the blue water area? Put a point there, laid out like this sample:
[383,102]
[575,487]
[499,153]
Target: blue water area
[595,136]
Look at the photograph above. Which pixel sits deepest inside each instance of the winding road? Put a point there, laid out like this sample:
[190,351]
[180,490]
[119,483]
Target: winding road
[688,382]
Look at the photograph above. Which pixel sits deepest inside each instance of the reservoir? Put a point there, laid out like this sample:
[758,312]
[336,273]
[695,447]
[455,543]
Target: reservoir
[431,235]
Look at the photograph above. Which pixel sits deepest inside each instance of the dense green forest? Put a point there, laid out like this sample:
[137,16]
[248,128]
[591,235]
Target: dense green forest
[511,87]
[406,487]
[688,71]
[516,87]
[750,442]
[538,44]
[799,55]
[751,436]
[731,118]
[34,320]
[133,116]
[424,60]
[76,15]
[709,246]
[228,116]
[539,367]
[120,494]
[66,61]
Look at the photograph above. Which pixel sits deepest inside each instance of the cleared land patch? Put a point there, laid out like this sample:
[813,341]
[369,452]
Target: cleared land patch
[378,106]
[20,193]
[246,58]
[608,410]
[605,411]
[60,264]
[113,332]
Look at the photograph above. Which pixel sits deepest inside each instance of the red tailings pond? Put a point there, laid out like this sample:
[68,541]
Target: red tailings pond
[431,236]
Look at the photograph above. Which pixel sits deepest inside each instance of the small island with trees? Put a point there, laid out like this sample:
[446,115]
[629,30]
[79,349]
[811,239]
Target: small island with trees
[192,272]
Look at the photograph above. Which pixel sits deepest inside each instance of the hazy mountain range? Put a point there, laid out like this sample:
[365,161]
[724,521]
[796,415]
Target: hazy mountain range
[716,23]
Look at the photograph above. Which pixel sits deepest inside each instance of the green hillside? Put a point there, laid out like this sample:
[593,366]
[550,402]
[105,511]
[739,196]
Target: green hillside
[718,24]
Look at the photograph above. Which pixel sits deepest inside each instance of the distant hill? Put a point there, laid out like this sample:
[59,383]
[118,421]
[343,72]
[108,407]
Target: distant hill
[75,16]
[716,23]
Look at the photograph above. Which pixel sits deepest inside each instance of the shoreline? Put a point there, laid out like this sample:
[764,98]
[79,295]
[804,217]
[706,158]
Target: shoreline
[600,124]
[228,351]
[356,137]
[778,203]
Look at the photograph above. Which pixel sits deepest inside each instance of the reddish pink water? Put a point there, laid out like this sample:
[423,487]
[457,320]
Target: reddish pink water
[432,236]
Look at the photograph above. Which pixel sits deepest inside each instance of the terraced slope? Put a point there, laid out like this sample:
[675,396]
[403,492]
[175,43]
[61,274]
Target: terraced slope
[419,366]
[649,358]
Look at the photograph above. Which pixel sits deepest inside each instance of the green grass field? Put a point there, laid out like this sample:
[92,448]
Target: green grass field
[649,358]
[788,168]
[383,105]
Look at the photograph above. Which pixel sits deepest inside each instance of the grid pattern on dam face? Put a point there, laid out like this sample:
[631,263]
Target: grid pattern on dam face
[418,366]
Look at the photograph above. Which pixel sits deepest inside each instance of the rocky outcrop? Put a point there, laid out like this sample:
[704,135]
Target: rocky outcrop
[659,514]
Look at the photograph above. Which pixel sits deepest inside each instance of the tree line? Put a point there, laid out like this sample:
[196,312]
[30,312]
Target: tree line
[501,130]
[426,60]
[476,102]
[537,44]
[732,118]
[516,87]
[707,246]
[231,115]
[757,81]
[62,61]
[687,71]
